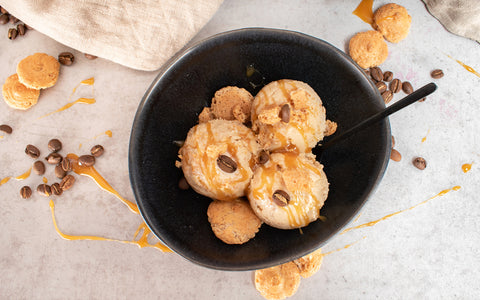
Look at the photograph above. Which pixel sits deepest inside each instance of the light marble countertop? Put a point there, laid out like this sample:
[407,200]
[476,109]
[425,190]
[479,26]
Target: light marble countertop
[430,251]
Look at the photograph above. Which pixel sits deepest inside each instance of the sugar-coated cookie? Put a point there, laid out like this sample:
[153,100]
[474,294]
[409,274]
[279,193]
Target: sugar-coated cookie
[278,282]
[17,95]
[310,263]
[393,21]
[368,49]
[38,71]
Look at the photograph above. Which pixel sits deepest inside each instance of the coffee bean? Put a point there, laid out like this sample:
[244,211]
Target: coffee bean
[59,171]
[39,167]
[183,184]
[54,145]
[32,151]
[21,29]
[396,85]
[54,158]
[3,11]
[393,142]
[29,27]
[436,74]
[6,128]
[420,163]
[226,164]
[4,19]
[376,73]
[25,192]
[12,33]
[387,76]
[67,182]
[381,86]
[285,113]
[13,19]
[395,155]
[387,96]
[86,160]
[66,58]
[281,198]
[367,71]
[89,56]
[407,87]
[97,150]
[263,157]
[66,164]
[422,100]
[44,190]
[56,189]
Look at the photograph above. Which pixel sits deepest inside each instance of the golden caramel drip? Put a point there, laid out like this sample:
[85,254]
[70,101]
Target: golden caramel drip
[24,175]
[468,68]
[425,137]
[99,180]
[89,81]
[5,180]
[45,180]
[343,248]
[455,188]
[107,133]
[466,167]
[364,11]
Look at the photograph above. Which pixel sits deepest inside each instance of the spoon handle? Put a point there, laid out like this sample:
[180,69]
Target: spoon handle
[409,99]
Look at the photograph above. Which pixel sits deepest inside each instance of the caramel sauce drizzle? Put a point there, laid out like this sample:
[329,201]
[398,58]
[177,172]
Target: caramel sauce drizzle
[19,177]
[364,11]
[99,180]
[466,167]
[468,68]
[425,137]
[45,180]
[5,180]
[455,188]
[340,249]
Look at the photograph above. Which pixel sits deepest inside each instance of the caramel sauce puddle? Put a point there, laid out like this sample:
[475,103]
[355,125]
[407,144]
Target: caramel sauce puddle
[364,11]
[466,167]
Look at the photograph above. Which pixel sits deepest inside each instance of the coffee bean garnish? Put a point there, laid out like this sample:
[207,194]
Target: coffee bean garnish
[4,19]
[226,164]
[86,160]
[67,182]
[66,58]
[21,29]
[39,167]
[59,171]
[263,157]
[281,198]
[13,19]
[32,151]
[420,163]
[97,150]
[6,128]
[407,87]
[54,158]
[44,190]
[56,189]
[3,11]
[381,86]
[54,145]
[25,192]
[395,155]
[387,76]
[183,184]
[89,56]
[12,33]
[396,85]
[66,164]
[387,96]
[436,74]
[285,113]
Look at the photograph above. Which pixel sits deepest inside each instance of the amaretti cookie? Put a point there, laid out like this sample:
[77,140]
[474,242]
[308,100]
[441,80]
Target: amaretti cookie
[392,21]
[368,49]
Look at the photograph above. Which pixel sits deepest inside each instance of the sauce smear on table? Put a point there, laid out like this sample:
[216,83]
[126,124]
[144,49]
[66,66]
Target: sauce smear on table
[364,11]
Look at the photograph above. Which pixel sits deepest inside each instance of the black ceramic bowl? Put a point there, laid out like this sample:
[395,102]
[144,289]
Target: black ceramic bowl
[186,85]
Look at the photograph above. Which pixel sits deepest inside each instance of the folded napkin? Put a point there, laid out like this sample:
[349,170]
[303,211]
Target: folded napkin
[461,17]
[140,34]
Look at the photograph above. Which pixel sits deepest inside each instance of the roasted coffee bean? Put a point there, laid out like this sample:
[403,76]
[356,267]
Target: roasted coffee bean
[54,145]
[281,198]
[21,29]
[393,142]
[66,58]
[183,184]
[263,157]
[3,11]
[387,76]
[4,19]
[86,160]
[66,164]
[67,182]
[25,192]
[367,71]
[39,167]
[44,190]
[226,164]
[97,150]
[59,171]
[420,163]
[12,33]
[13,19]
[376,73]
[395,155]
[396,85]
[28,27]
[56,189]
[32,151]
[381,86]
[54,158]
[423,99]
[387,96]
[407,87]
[436,74]
[89,56]
[285,113]
[6,128]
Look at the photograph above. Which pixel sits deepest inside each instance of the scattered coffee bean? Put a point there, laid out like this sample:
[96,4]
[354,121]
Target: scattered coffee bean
[183,184]
[89,56]
[97,150]
[393,142]
[367,72]
[86,160]
[387,96]
[56,189]
[59,171]
[66,164]
[54,158]
[281,198]
[387,76]
[29,27]
[44,189]
[66,58]
[39,167]
[395,155]
[423,99]
[381,86]
[12,33]
[407,87]
[376,73]
[21,29]
[396,85]
[436,74]
[285,113]
[4,19]
[6,128]
[3,11]
[25,192]
[263,157]
[32,151]
[13,19]
[226,164]
[67,182]
[54,145]
[420,163]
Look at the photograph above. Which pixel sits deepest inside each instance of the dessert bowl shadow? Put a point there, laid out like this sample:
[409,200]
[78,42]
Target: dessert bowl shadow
[250,58]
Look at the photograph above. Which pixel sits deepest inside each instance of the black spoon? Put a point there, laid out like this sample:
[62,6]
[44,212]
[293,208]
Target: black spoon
[413,97]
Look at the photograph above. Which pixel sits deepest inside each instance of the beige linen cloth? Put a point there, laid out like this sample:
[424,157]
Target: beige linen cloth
[140,34]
